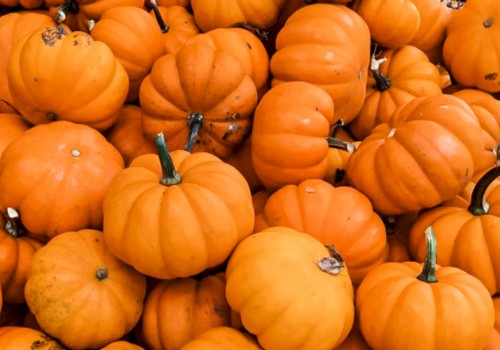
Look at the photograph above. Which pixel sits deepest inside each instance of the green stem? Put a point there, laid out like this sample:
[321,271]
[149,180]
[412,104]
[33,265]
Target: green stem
[195,122]
[428,273]
[169,175]
[478,205]
[69,6]
[164,27]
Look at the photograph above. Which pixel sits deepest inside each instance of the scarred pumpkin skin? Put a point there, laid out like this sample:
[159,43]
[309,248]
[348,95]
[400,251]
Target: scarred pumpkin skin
[41,75]
[183,228]
[201,79]
[55,175]
[423,156]
[16,338]
[470,49]
[222,338]
[327,45]
[78,267]
[273,302]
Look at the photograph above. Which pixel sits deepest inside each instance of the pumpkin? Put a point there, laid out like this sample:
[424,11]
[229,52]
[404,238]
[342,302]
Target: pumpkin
[291,125]
[126,134]
[410,306]
[222,337]
[278,278]
[494,342]
[144,43]
[469,49]
[422,157]
[177,310]
[244,45]
[327,45]
[74,275]
[122,345]
[169,3]
[397,76]
[55,176]
[341,216]
[176,24]
[27,4]
[184,211]
[226,13]
[44,65]
[11,127]
[13,27]
[200,98]
[16,337]
[464,234]
[241,159]
[17,248]
[391,24]
[496,303]
[354,340]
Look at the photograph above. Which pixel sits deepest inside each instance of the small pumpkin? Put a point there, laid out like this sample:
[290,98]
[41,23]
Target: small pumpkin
[11,127]
[222,337]
[122,345]
[26,4]
[44,65]
[279,277]
[184,211]
[72,277]
[441,308]
[17,337]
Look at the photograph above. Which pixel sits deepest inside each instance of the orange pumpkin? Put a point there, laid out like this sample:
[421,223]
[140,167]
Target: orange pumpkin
[241,159]
[16,338]
[410,306]
[470,47]
[178,310]
[222,338]
[463,235]
[226,13]
[185,212]
[144,43]
[122,345]
[422,157]
[278,278]
[79,267]
[27,4]
[13,27]
[11,127]
[327,45]
[397,76]
[36,77]
[341,216]
[200,98]
[55,175]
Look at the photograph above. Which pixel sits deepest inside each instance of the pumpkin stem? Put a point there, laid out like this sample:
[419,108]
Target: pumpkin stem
[195,121]
[69,6]
[428,273]
[340,144]
[101,273]
[169,175]
[13,225]
[332,264]
[262,34]
[478,205]
[382,82]
[164,27]
[339,124]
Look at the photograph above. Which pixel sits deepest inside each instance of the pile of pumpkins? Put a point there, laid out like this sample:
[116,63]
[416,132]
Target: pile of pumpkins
[250,174]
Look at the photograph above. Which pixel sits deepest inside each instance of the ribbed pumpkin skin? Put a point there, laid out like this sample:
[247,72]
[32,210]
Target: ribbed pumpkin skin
[13,27]
[411,75]
[222,338]
[273,303]
[470,50]
[36,76]
[16,338]
[290,126]
[198,78]
[391,298]
[55,175]
[341,216]
[329,46]
[425,155]
[183,229]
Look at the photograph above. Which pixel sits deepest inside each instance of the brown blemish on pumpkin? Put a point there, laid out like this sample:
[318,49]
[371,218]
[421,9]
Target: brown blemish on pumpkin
[51,116]
[491,76]
[46,343]
[51,34]
[101,273]
[488,22]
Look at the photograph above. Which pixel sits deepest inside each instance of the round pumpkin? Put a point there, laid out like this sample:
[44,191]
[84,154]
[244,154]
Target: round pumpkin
[470,48]
[41,75]
[327,45]
[201,87]
[16,338]
[142,46]
[55,176]
[222,337]
[290,290]
[184,211]
[77,286]
[176,311]
[422,157]
[410,306]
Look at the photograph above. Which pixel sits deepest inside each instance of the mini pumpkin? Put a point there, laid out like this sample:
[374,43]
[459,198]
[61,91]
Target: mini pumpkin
[122,345]
[17,337]
[11,127]
[222,337]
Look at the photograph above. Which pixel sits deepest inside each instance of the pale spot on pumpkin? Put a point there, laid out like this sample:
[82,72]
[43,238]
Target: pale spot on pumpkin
[309,190]
[75,153]
[391,132]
